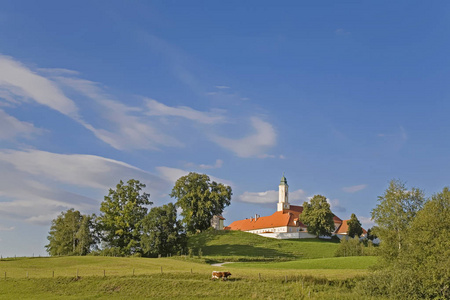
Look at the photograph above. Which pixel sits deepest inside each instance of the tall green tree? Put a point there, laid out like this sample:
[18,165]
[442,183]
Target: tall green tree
[71,233]
[317,216]
[200,199]
[421,270]
[162,232]
[428,255]
[354,227]
[122,212]
[393,214]
[370,233]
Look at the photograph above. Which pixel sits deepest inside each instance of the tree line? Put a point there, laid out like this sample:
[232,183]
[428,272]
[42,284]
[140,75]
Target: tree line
[414,244]
[125,226]
[318,218]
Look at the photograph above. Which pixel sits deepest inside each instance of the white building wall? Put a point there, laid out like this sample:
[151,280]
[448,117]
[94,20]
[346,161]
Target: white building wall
[284,232]
[288,235]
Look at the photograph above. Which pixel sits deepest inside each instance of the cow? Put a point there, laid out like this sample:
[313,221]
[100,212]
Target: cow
[218,275]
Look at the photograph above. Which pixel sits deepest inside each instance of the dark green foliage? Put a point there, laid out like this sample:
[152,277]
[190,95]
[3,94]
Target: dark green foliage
[162,233]
[394,214]
[422,269]
[355,247]
[71,233]
[370,233]
[230,245]
[200,199]
[350,247]
[121,219]
[354,227]
[428,255]
[317,216]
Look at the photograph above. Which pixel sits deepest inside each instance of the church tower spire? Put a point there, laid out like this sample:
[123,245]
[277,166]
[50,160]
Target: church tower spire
[283,195]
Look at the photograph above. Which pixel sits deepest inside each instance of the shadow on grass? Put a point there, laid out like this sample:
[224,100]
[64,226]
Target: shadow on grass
[243,250]
[229,279]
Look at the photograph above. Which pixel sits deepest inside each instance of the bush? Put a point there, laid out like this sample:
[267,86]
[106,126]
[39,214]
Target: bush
[349,247]
[355,247]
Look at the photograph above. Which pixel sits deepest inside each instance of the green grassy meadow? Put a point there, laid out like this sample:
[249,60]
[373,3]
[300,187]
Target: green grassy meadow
[241,246]
[32,278]
[333,263]
[310,273]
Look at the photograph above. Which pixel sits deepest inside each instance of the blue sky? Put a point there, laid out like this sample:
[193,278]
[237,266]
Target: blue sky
[342,97]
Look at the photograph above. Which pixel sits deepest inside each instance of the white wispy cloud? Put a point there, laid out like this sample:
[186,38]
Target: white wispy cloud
[77,169]
[354,188]
[173,174]
[398,135]
[156,108]
[36,185]
[177,61]
[271,196]
[341,31]
[366,222]
[24,83]
[218,164]
[120,125]
[58,71]
[125,127]
[336,206]
[128,131]
[222,87]
[6,228]
[11,127]
[266,156]
[253,145]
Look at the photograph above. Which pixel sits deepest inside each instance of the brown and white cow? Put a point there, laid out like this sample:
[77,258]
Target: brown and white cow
[218,275]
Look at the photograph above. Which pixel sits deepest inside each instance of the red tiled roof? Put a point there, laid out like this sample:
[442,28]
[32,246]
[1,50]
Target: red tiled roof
[287,217]
[336,219]
[344,228]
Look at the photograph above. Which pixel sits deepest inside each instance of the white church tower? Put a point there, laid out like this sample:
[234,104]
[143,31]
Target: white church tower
[283,193]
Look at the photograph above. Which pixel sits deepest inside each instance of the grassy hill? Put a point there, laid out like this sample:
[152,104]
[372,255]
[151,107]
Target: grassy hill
[329,263]
[242,246]
[311,272]
[32,278]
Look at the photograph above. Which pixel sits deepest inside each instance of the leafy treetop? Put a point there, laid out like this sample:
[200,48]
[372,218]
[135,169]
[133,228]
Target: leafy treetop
[393,214]
[122,212]
[317,216]
[200,199]
[354,227]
